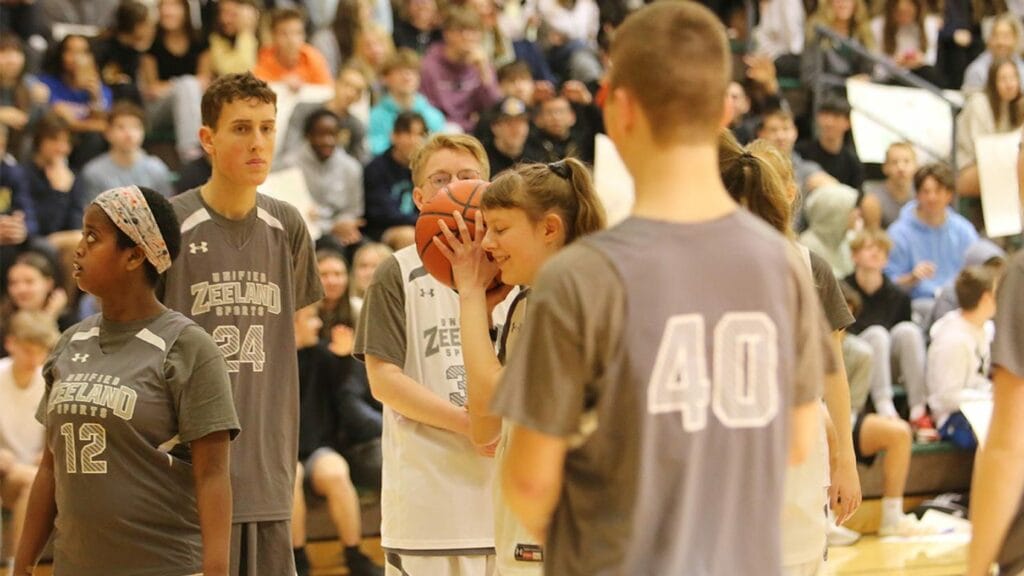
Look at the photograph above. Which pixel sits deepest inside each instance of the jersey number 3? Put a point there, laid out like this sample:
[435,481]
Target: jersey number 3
[743,391]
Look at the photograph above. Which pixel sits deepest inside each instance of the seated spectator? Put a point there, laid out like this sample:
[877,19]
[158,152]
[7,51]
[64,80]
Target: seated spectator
[56,193]
[29,339]
[739,103]
[1003,42]
[831,212]
[402,79]
[498,48]
[373,47]
[884,199]
[22,99]
[514,81]
[335,309]
[929,238]
[334,179]
[19,228]
[120,50]
[364,264]
[337,42]
[998,109]
[908,35]
[570,38]
[959,41]
[418,25]
[777,128]
[388,179]
[32,286]
[958,358]
[779,35]
[173,74]
[510,128]
[456,75]
[884,321]
[559,132]
[289,59]
[233,44]
[982,253]
[830,150]
[848,19]
[876,433]
[322,471]
[348,91]
[126,164]
[78,95]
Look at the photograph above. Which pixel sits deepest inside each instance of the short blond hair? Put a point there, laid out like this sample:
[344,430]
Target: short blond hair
[33,327]
[456,142]
[871,236]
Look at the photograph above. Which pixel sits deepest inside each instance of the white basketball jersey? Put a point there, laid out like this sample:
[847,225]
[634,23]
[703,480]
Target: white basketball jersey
[436,492]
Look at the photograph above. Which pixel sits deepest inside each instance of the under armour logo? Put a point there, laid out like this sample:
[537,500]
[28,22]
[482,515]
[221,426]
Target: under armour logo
[194,248]
[426,292]
[80,358]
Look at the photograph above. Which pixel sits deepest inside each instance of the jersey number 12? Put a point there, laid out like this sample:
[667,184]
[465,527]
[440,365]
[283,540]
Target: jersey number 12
[743,391]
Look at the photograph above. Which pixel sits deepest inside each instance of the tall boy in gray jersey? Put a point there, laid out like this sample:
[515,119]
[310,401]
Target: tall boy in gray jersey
[654,408]
[997,494]
[246,265]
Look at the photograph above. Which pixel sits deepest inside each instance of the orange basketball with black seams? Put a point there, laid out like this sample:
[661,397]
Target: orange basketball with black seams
[461,196]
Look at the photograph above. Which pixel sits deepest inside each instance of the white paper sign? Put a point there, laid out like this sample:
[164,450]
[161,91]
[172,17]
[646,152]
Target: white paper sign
[997,170]
[612,181]
[290,186]
[883,115]
[287,99]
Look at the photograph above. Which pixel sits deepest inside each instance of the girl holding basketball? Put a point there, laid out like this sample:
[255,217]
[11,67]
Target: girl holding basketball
[531,212]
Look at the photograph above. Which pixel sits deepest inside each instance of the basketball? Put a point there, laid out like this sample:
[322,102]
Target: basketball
[461,196]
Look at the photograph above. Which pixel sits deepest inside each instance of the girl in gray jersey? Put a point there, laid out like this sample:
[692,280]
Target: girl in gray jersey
[138,415]
[531,212]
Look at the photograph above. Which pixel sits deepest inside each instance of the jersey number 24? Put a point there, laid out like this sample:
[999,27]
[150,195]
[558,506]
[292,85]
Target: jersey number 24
[743,389]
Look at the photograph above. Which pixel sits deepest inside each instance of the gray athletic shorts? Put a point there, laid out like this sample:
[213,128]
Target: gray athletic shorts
[262,549]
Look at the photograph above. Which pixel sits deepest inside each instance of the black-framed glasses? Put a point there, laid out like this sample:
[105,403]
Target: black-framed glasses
[442,179]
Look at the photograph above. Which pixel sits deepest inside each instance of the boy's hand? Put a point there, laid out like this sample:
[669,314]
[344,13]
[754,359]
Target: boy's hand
[347,231]
[924,270]
[342,340]
[577,93]
[962,37]
[13,117]
[12,229]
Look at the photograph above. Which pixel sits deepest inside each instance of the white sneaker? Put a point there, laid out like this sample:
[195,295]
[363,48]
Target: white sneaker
[907,525]
[841,536]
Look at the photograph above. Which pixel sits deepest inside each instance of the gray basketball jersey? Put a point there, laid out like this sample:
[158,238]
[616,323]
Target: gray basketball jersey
[118,428]
[667,355]
[1008,352]
[242,280]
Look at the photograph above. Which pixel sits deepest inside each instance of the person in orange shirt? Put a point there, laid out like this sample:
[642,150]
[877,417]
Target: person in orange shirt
[289,58]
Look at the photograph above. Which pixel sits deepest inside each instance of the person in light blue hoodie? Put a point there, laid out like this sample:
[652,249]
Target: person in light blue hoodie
[402,77]
[929,238]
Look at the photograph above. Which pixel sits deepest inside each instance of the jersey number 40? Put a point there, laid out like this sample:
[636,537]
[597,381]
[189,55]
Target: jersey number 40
[743,391]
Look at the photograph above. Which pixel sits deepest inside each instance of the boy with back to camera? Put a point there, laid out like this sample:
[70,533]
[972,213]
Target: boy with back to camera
[634,433]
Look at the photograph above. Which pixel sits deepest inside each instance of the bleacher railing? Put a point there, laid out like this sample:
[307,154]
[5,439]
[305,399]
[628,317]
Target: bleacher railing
[894,70]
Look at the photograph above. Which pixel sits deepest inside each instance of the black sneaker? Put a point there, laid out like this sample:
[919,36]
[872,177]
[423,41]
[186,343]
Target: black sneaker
[301,561]
[360,565]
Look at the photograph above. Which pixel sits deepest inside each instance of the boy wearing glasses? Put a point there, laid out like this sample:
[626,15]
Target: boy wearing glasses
[436,507]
